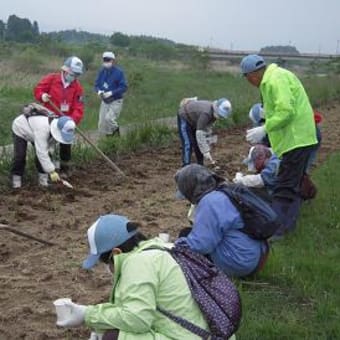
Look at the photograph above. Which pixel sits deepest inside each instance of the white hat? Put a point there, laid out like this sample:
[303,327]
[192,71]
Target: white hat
[109,55]
[222,108]
[73,65]
[63,129]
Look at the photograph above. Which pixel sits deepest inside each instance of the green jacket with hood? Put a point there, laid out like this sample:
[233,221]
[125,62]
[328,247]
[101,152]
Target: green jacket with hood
[289,115]
[144,280]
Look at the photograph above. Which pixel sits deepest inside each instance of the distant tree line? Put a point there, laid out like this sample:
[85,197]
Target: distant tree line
[19,30]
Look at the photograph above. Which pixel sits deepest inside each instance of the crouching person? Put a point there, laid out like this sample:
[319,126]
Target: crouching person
[144,279]
[265,166]
[216,225]
[37,126]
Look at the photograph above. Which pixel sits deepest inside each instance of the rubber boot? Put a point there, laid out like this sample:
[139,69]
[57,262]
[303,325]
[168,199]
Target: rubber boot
[43,180]
[16,182]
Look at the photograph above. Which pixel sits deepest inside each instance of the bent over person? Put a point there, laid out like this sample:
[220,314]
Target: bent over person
[36,127]
[144,279]
[194,120]
[62,93]
[216,229]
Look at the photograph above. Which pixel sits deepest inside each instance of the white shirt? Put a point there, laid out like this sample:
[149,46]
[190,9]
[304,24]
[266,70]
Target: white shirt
[36,129]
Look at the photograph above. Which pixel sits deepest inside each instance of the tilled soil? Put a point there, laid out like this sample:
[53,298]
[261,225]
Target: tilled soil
[33,275]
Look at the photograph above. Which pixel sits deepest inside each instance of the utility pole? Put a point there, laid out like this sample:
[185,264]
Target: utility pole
[337,47]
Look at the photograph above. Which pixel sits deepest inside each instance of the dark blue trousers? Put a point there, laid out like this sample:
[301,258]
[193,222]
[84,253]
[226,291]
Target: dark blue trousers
[286,194]
[187,135]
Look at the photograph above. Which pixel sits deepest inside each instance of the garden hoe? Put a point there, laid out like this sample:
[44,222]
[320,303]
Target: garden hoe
[100,152]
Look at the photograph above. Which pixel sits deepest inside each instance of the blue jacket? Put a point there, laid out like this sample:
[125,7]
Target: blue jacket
[216,233]
[111,79]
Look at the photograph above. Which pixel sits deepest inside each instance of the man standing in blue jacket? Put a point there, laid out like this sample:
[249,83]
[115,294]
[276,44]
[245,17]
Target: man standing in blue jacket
[110,86]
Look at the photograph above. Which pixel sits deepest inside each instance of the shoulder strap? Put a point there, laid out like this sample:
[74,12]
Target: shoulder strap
[181,321]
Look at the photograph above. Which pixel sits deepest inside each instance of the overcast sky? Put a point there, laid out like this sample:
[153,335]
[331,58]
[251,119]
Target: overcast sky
[310,26]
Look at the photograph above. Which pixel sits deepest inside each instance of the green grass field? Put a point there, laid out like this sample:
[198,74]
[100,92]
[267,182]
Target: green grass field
[297,296]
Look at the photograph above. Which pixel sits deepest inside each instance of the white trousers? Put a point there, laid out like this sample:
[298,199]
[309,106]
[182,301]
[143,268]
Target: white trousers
[108,115]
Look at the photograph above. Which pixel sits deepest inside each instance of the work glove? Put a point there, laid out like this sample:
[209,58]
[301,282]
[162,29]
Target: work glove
[107,94]
[45,97]
[54,176]
[255,135]
[238,178]
[76,316]
[207,157]
[96,336]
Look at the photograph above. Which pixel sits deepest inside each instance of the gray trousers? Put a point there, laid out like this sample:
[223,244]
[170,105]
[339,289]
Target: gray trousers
[108,115]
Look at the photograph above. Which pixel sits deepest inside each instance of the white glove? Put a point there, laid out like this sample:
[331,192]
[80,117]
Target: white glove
[208,157]
[107,94]
[238,178]
[255,135]
[99,93]
[76,316]
[45,97]
[254,181]
[95,336]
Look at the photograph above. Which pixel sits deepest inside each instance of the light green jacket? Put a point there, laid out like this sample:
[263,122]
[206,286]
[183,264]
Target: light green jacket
[288,112]
[144,280]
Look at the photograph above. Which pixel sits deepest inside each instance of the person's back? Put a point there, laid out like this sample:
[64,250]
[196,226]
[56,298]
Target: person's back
[289,115]
[217,223]
[198,113]
[216,233]
[145,279]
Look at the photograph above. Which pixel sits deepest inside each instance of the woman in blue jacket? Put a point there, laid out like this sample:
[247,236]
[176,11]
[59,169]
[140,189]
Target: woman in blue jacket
[217,223]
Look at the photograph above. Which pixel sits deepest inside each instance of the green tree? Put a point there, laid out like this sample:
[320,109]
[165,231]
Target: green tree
[21,30]
[120,39]
[2,30]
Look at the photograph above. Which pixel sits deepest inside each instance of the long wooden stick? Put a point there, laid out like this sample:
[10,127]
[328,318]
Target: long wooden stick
[100,152]
[15,231]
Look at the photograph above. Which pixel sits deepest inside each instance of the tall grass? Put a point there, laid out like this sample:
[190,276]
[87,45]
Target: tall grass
[155,87]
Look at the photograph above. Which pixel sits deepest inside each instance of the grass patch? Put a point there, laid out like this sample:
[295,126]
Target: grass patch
[300,294]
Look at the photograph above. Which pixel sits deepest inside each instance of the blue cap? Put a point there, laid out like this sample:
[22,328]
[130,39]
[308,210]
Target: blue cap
[256,114]
[108,232]
[251,63]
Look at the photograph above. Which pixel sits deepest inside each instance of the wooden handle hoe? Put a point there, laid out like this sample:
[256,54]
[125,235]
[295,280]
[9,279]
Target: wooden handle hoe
[88,140]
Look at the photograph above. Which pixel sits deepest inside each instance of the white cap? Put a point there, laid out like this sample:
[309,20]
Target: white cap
[109,55]
[73,65]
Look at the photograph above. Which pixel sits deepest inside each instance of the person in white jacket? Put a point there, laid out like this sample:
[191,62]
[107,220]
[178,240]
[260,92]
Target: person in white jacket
[37,126]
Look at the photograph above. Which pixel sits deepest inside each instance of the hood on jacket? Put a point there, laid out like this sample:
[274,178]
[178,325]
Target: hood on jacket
[194,181]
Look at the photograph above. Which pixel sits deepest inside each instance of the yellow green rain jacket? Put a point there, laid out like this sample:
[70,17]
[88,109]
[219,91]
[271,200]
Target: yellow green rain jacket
[288,112]
[142,281]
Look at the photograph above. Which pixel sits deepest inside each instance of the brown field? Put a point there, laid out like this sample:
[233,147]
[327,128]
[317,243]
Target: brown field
[33,275]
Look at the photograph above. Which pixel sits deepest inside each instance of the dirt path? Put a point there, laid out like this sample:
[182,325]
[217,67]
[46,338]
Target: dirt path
[33,275]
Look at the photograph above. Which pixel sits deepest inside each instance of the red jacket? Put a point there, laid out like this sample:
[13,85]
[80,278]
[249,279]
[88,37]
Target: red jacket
[69,99]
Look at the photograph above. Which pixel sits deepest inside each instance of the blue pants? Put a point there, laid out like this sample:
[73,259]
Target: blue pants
[187,134]
[286,193]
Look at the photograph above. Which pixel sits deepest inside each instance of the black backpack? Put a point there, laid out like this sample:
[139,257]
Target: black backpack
[215,294]
[260,220]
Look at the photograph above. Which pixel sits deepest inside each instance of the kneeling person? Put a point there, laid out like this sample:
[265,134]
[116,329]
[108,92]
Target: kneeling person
[216,230]
[144,280]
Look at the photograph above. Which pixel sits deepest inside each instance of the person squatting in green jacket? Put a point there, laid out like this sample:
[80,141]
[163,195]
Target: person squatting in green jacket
[289,123]
[142,281]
